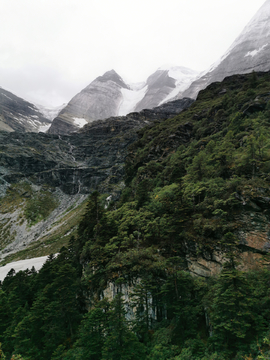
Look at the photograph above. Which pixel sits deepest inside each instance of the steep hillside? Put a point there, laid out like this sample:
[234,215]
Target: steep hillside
[43,177]
[250,51]
[17,114]
[99,100]
[208,170]
[196,201]
[164,84]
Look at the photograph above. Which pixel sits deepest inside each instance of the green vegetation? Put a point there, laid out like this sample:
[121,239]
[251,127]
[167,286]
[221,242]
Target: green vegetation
[59,236]
[196,186]
[39,207]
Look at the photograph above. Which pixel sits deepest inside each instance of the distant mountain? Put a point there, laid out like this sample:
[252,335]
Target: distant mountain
[250,51]
[164,84]
[99,100]
[17,114]
[109,95]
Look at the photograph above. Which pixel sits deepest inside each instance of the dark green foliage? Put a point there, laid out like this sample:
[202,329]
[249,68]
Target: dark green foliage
[192,182]
[39,207]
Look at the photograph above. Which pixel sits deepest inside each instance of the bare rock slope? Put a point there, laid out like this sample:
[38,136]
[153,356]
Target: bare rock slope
[109,96]
[250,51]
[17,114]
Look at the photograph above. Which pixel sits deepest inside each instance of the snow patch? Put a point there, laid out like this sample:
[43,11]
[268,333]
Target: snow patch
[137,86]
[22,265]
[44,128]
[255,52]
[183,76]
[50,113]
[107,202]
[177,72]
[80,122]
[130,99]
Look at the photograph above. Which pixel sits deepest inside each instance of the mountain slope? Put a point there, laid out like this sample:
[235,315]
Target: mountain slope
[45,178]
[196,201]
[214,182]
[109,95]
[250,51]
[190,179]
[17,114]
[164,84]
[99,100]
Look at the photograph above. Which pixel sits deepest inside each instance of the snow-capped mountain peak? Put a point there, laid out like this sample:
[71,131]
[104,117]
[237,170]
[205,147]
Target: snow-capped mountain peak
[109,95]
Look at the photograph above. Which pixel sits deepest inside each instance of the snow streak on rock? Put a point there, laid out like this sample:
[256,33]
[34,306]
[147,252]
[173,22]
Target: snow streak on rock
[130,100]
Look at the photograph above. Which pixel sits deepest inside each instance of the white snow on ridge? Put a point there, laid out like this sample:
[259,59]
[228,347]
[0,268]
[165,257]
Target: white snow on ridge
[255,52]
[22,265]
[183,76]
[50,113]
[80,122]
[130,99]
[137,86]
[44,128]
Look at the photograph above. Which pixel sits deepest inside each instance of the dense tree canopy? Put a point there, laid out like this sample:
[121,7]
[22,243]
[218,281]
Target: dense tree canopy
[123,288]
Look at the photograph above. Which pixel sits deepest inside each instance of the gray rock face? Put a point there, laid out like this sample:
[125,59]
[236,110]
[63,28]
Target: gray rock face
[160,84]
[17,114]
[109,95]
[99,100]
[250,51]
[79,162]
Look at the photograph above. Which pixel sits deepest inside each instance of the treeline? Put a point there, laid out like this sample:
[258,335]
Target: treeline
[122,288]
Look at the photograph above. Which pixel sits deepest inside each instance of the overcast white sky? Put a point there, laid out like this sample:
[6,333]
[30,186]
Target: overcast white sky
[52,49]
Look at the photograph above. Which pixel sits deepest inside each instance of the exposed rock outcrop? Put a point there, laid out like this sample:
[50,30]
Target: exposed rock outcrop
[164,84]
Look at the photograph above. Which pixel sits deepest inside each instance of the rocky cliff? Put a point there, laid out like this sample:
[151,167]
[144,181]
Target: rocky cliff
[164,84]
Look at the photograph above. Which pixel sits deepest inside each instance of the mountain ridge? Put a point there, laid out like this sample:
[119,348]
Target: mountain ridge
[249,52]
[109,95]
[17,114]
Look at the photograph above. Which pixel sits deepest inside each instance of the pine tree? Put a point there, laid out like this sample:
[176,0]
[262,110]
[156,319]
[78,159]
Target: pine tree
[121,343]
[234,322]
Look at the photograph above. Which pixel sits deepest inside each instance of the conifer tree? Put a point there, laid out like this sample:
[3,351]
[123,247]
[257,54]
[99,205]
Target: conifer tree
[121,343]
[234,322]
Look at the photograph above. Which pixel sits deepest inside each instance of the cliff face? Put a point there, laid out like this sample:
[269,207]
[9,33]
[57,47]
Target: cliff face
[164,84]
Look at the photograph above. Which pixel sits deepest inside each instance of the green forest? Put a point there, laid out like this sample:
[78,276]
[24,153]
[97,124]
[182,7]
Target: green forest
[123,287]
